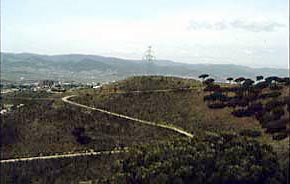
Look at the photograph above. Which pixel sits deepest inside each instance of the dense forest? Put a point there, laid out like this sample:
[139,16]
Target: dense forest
[213,159]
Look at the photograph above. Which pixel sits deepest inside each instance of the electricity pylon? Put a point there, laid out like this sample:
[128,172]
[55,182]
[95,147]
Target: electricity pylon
[149,58]
[149,55]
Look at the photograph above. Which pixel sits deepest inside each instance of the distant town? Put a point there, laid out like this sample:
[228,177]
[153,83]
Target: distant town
[47,86]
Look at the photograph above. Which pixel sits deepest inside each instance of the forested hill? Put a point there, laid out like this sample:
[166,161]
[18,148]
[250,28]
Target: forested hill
[86,68]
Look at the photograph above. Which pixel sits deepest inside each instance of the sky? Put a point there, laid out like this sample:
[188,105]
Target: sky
[245,32]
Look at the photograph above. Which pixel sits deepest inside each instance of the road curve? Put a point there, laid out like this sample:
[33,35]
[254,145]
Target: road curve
[94,153]
[168,127]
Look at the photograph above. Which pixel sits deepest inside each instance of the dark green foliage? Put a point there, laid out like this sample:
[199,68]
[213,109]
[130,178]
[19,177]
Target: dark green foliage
[58,89]
[203,76]
[216,105]
[247,83]
[250,133]
[253,100]
[212,87]
[242,113]
[255,107]
[280,136]
[275,87]
[211,160]
[208,81]
[78,131]
[260,77]
[286,81]
[239,80]
[234,102]
[80,136]
[278,112]
[8,134]
[262,85]
[215,96]
[243,103]
[230,79]
[273,94]
[275,126]
[273,104]
[272,79]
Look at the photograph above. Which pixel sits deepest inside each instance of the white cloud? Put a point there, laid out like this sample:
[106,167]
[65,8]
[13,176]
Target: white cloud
[196,25]
[256,25]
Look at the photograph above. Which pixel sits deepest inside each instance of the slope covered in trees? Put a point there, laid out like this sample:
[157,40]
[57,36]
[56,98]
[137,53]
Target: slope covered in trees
[268,101]
[212,159]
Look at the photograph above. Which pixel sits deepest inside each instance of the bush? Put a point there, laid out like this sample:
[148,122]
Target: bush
[242,113]
[280,136]
[273,94]
[216,105]
[256,107]
[276,87]
[277,123]
[278,112]
[80,136]
[273,104]
[215,96]
[250,133]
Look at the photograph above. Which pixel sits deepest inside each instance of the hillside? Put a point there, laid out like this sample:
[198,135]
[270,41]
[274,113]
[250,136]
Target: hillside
[91,68]
[182,107]
[52,126]
[62,128]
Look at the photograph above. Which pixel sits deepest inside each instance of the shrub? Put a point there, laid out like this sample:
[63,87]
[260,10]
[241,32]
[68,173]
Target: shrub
[216,105]
[273,104]
[83,139]
[280,136]
[255,107]
[80,136]
[242,113]
[78,131]
[250,133]
[275,94]
[278,112]
[276,87]
[276,126]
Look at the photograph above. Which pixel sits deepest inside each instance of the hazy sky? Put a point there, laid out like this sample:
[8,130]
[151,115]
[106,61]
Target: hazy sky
[248,32]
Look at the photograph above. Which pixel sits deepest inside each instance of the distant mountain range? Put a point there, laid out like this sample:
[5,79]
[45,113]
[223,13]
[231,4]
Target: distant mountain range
[89,68]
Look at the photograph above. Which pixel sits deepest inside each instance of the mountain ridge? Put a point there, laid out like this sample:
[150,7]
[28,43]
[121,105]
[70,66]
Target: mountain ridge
[87,68]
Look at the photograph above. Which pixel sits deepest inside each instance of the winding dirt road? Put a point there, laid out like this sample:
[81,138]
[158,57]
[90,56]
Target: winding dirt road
[165,126]
[94,153]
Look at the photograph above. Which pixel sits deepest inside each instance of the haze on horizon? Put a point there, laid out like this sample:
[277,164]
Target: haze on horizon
[244,32]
